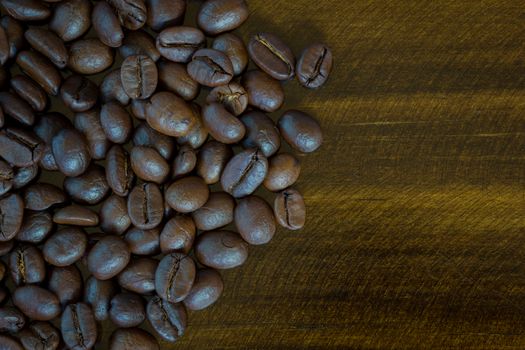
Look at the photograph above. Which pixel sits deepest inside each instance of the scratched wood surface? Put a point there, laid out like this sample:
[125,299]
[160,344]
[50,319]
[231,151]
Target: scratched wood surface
[415,235]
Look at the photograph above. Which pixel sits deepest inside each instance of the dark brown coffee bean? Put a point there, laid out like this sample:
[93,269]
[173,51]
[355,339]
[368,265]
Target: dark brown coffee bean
[88,188]
[107,25]
[78,326]
[244,173]
[206,290]
[184,162]
[114,218]
[165,13]
[221,249]
[234,48]
[19,147]
[261,133]
[283,171]
[119,175]
[127,310]
[6,177]
[65,247]
[178,44]
[289,209]
[272,55]
[210,68]
[41,70]
[30,91]
[26,265]
[36,302]
[9,343]
[218,16]
[139,76]
[89,56]
[146,136]
[48,44]
[66,283]
[4,46]
[139,42]
[46,127]
[174,277]
[314,66]
[132,14]
[198,133]
[108,257]
[37,225]
[138,108]
[149,165]
[75,215]
[6,246]
[138,339]
[88,123]
[169,320]
[11,320]
[111,89]
[71,19]
[232,96]
[23,176]
[301,131]
[143,242]
[264,92]
[213,157]
[177,235]
[79,93]
[40,336]
[169,114]
[187,194]
[26,10]
[71,152]
[139,276]
[12,210]
[254,220]
[116,122]
[215,213]
[175,78]
[221,124]
[40,196]
[17,108]
[15,34]
[98,295]
[145,206]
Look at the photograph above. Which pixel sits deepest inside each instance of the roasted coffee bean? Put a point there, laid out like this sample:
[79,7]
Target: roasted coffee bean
[71,19]
[4,46]
[198,133]
[40,196]
[177,235]
[139,76]
[289,209]
[114,218]
[232,96]
[263,91]
[212,159]
[30,91]
[139,42]
[218,16]
[206,290]
[179,43]
[17,108]
[215,213]
[145,206]
[67,284]
[234,48]
[165,13]
[175,78]
[88,123]
[138,108]
[314,66]
[210,68]
[244,173]
[169,114]
[119,175]
[301,131]
[116,122]
[283,171]
[138,339]
[88,188]
[169,320]
[9,343]
[26,10]
[174,277]
[261,133]
[79,93]
[19,147]
[127,310]
[40,336]
[36,302]
[41,70]
[23,176]
[71,152]
[221,124]
[187,194]
[46,127]
[221,249]
[254,220]
[26,265]
[78,326]
[149,165]
[15,34]
[132,14]
[75,215]
[143,242]
[272,55]
[108,257]
[6,246]
[184,162]
[6,177]
[111,89]
[146,136]
[11,320]
[107,25]
[98,295]
[89,56]
[48,44]
[65,247]
[139,276]
[36,227]
[12,213]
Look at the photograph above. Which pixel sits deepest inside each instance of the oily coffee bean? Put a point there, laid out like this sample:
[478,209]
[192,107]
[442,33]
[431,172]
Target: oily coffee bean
[215,213]
[169,320]
[9,343]
[233,47]
[212,159]
[79,93]
[139,42]
[119,175]
[36,302]
[179,43]
[187,194]
[218,16]
[127,310]
[139,339]
[41,70]
[169,114]
[98,295]
[139,76]
[89,56]
[19,147]
[210,68]
[263,91]
[65,247]
[184,162]
[139,276]
[148,164]
[301,131]
[78,326]
[88,123]
[145,206]
[46,127]
[11,320]
[6,177]
[41,196]
[108,257]
[289,209]
[177,235]
[314,66]
[17,108]
[66,282]
[71,19]
[283,171]
[143,242]
[272,55]
[221,124]
[165,13]
[244,173]
[26,10]
[75,215]
[23,176]
[175,78]
[146,136]
[206,290]
[111,89]
[107,25]
[41,336]
[30,91]
[37,225]
[261,133]
[71,152]
[221,249]
[198,133]
[12,210]
[132,14]
[15,34]
[26,265]
[254,220]
[232,96]
[88,188]
[116,122]
[114,218]
[48,44]
[174,277]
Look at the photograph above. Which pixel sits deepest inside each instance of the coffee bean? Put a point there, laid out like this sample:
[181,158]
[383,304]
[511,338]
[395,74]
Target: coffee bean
[127,310]
[314,66]
[41,336]
[210,68]
[48,44]
[169,320]
[119,175]
[107,25]
[175,78]
[221,249]
[169,114]
[36,226]
[19,147]
[244,173]
[254,220]
[65,247]
[131,13]
[145,206]
[23,176]
[301,131]
[215,213]
[283,171]
[41,70]
[88,123]
[139,76]
[149,165]
[123,338]
[138,108]
[174,277]
[98,295]
[218,16]
[6,177]
[2,270]
[5,246]
[17,108]
[289,209]
[41,196]
[79,93]
[187,194]
[113,214]
[108,257]
[78,326]
[139,276]
[88,188]
[15,34]
[143,242]
[36,302]
[139,42]
[26,10]
[212,159]
[71,152]
[178,44]
[26,265]
[232,96]
[111,89]
[76,215]
[165,13]
[116,122]
[146,136]
[177,235]
[272,55]
[263,91]
[89,56]
[11,320]
[46,127]
[206,290]
[234,48]
[221,124]
[71,19]
[261,133]
[67,284]
[4,46]
[198,133]
[30,91]
[184,162]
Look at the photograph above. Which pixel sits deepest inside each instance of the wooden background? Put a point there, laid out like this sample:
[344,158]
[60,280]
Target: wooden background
[415,236]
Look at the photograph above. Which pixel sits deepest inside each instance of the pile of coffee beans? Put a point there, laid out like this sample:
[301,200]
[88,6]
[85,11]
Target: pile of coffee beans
[135,235]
